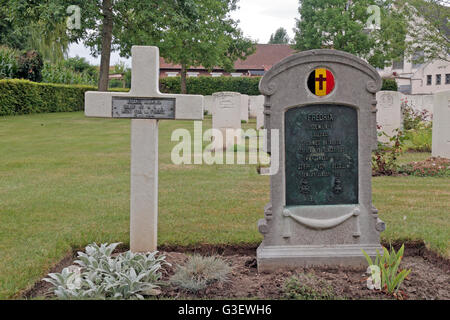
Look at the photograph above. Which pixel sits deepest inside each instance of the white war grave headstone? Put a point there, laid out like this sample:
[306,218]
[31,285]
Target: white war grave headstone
[145,105]
[208,104]
[226,119]
[255,104]
[244,107]
[389,115]
[441,125]
[320,212]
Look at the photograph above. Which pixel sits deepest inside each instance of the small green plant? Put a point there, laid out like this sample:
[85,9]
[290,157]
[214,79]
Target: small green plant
[199,272]
[389,264]
[308,287]
[385,158]
[102,276]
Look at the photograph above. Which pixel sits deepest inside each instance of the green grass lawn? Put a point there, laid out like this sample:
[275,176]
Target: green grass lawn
[64,183]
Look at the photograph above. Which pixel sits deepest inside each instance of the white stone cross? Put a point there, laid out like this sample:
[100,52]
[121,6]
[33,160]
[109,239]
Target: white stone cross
[144,104]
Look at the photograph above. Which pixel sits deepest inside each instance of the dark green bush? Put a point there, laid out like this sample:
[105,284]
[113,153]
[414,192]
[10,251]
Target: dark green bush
[30,66]
[389,85]
[208,85]
[24,97]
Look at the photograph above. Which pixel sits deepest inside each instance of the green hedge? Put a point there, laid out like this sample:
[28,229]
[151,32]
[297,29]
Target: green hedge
[23,97]
[389,85]
[206,86]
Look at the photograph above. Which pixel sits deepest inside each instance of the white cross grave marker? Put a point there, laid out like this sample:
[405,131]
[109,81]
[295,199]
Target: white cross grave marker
[144,104]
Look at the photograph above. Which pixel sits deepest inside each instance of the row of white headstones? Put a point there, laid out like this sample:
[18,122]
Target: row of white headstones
[249,106]
[144,133]
[390,116]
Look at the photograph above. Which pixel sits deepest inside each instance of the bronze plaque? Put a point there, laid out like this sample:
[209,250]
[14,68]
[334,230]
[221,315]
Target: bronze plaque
[143,108]
[321,147]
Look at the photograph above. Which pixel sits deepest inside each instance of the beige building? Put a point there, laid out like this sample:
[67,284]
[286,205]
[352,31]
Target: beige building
[425,78]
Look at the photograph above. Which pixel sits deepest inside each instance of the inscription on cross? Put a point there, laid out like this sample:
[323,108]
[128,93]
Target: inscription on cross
[144,104]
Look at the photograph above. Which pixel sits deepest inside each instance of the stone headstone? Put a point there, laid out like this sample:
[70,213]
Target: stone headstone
[208,104]
[389,115]
[441,125]
[256,103]
[321,213]
[420,102]
[244,107]
[145,106]
[227,118]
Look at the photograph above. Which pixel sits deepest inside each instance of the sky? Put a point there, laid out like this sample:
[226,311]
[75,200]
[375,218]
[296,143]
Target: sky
[258,20]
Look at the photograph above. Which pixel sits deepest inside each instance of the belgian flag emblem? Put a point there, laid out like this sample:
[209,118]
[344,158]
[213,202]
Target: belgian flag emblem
[321,82]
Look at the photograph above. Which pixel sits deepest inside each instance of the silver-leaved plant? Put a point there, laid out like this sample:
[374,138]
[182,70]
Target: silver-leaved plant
[101,275]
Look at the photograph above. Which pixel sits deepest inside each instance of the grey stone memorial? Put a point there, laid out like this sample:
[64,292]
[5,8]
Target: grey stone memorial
[323,102]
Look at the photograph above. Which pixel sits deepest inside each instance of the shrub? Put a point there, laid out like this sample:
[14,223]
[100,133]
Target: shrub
[8,63]
[61,74]
[420,139]
[389,265]
[80,65]
[389,85]
[102,276]
[385,158]
[199,272]
[209,85]
[432,167]
[308,287]
[30,66]
[413,119]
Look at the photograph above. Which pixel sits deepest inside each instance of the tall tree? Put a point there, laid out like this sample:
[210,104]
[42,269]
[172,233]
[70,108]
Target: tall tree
[279,37]
[104,25]
[342,25]
[201,32]
[12,34]
[428,31]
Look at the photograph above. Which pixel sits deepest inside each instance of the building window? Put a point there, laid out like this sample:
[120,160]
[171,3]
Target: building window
[192,74]
[438,79]
[447,78]
[256,72]
[429,80]
[216,74]
[172,74]
[236,74]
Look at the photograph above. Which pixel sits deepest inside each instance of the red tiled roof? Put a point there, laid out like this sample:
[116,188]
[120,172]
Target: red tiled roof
[265,56]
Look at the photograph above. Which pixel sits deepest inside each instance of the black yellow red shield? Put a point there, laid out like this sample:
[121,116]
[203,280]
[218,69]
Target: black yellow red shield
[321,82]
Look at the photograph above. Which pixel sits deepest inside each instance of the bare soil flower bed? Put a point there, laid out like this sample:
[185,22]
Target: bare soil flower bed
[430,277]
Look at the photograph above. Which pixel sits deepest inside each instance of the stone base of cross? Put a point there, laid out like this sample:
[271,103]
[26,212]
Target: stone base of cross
[145,105]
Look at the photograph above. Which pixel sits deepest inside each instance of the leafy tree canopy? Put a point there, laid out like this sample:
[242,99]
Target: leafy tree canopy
[428,30]
[279,37]
[342,25]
